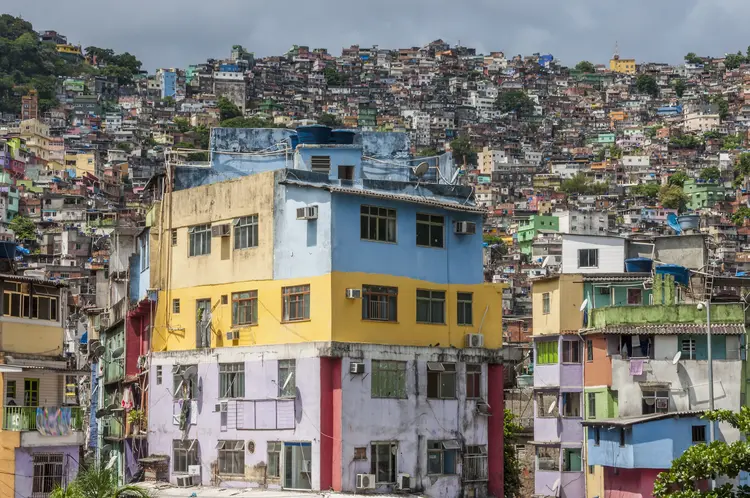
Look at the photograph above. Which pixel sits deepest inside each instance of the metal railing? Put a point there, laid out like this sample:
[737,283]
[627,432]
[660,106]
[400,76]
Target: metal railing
[475,467]
[23,418]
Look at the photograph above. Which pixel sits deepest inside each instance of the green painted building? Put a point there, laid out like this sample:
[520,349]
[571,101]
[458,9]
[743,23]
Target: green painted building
[702,194]
[529,229]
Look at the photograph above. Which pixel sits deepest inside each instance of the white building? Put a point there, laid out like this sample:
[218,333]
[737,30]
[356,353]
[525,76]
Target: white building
[593,254]
[583,222]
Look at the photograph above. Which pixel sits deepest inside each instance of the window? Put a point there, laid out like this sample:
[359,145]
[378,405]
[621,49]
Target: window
[441,457]
[184,454]
[441,380]
[179,387]
[143,251]
[231,457]
[546,404]
[31,392]
[463,313]
[430,306]
[588,258]
[200,240]
[360,453]
[571,351]
[10,390]
[16,300]
[688,349]
[622,437]
[379,303]
[174,237]
[287,379]
[388,379]
[571,404]
[545,303]
[245,308]
[383,461]
[548,458]
[655,401]
[546,352]
[158,375]
[592,404]
[377,224]
[572,460]
[635,296]
[473,381]
[176,306]
[231,380]
[48,473]
[320,164]
[475,463]
[699,434]
[274,459]
[430,230]
[246,232]
[597,436]
[296,303]
[589,350]
[591,469]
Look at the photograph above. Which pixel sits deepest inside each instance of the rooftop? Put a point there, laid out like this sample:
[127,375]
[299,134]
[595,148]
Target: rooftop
[640,419]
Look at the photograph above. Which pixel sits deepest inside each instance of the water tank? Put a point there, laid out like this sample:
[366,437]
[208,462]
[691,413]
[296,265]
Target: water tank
[314,134]
[680,273]
[638,265]
[293,141]
[689,221]
[342,137]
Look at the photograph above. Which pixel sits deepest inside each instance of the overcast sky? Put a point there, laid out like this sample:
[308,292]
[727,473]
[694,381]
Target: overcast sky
[175,33]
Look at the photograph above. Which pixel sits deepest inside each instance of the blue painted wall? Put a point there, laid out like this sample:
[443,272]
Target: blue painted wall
[348,155]
[621,294]
[460,261]
[168,84]
[718,343]
[649,445]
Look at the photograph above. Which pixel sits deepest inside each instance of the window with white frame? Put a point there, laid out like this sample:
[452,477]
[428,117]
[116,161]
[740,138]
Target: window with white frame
[588,258]
[384,461]
[246,232]
[546,303]
[274,459]
[441,380]
[47,473]
[655,401]
[184,454]
[200,240]
[287,379]
[441,457]
[231,457]
[231,380]
[687,347]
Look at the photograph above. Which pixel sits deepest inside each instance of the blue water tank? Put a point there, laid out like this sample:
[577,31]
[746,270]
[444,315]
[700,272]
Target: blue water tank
[314,134]
[638,265]
[689,221]
[342,137]
[294,141]
[680,273]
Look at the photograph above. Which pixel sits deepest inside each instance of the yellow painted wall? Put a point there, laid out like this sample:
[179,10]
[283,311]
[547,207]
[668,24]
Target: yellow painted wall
[333,317]
[595,480]
[566,296]
[626,66]
[28,337]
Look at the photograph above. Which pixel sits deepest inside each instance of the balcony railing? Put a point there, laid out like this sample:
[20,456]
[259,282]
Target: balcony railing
[24,418]
[475,467]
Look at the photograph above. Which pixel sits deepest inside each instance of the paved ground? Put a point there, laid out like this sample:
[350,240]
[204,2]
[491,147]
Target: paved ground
[167,491]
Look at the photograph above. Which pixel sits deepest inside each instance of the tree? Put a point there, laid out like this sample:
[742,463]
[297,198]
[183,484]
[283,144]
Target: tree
[691,58]
[511,465]
[427,152]
[739,216]
[731,142]
[646,83]
[23,228]
[712,173]
[227,109]
[98,482]
[329,120]
[183,125]
[723,105]
[585,67]
[168,101]
[677,179]
[673,197]
[125,146]
[334,77]
[733,61]
[463,152]
[650,190]
[701,462]
[241,122]
[680,87]
[516,101]
[580,184]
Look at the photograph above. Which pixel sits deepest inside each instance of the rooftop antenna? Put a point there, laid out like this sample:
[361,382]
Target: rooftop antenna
[455,176]
[617,51]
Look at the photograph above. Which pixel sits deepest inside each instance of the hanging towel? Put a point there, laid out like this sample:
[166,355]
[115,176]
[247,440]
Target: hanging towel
[636,367]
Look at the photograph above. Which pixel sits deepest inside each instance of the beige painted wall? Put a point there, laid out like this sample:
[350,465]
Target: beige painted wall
[566,296]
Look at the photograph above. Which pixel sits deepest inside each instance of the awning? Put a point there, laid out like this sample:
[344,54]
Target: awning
[85,338]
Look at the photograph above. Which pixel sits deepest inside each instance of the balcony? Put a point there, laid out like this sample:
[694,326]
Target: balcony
[114,370]
[671,314]
[112,427]
[25,418]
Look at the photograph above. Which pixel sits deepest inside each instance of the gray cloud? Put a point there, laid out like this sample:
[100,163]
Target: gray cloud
[175,33]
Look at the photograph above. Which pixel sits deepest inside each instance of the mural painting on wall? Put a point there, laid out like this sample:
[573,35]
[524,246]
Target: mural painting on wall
[54,421]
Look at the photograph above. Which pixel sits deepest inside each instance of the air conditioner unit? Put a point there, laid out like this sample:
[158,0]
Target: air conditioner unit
[365,481]
[184,481]
[220,230]
[465,227]
[474,340]
[353,293]
[356,367]
[70,347]
[233,335]
[662,403]
[404,482]
[307,213]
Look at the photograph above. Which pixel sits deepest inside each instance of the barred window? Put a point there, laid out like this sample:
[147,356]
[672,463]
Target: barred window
[246,232]
[231,380]
[379,303]
[388,379]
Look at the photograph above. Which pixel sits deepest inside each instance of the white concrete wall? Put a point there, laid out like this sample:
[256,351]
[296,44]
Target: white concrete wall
[611,253]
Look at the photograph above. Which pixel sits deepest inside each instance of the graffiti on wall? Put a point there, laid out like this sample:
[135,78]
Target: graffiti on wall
[54,421]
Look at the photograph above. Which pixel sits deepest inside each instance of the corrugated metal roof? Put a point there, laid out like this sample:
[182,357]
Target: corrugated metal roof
[616,277]
[640,419]
[669,329]
[31,280]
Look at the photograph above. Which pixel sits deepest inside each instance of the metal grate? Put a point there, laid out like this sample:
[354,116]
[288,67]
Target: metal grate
[48,474]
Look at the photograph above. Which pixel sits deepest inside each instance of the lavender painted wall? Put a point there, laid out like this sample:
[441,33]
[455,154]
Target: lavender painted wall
[24,480]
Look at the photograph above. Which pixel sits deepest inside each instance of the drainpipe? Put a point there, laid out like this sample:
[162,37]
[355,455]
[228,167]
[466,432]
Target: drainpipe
[583,415]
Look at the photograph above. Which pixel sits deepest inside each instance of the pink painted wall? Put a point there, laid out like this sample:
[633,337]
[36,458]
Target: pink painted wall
[629,483]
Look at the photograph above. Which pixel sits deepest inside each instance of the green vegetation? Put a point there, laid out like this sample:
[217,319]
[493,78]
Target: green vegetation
[733,61]
[463,152]
[685,142]
[673,197]
[646,83]
[732,142]
[516,101]
[121,66]
[702,462]
[711,173]
[334,77]
[227,109]
[739,216]
[650,190]
[183,125]
[678,179]
[23,227]
[585,67]
[680,87]
[329,120]
[691,58]
[427,152]
[98,482]
[580,184]
[723,105]
[252,122]
[511,465]
[741,169]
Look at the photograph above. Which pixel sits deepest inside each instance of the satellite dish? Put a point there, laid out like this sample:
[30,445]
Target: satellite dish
[584,305]
[455,176]
[421,169]
[106,448]
[552,407]
[677,357]
[112,462]
[189,372]
[288,378]
[118,352]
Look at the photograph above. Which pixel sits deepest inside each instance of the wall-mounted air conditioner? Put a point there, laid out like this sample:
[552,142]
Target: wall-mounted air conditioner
[222,230]
[365,481]
[307,213]
[474,340]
